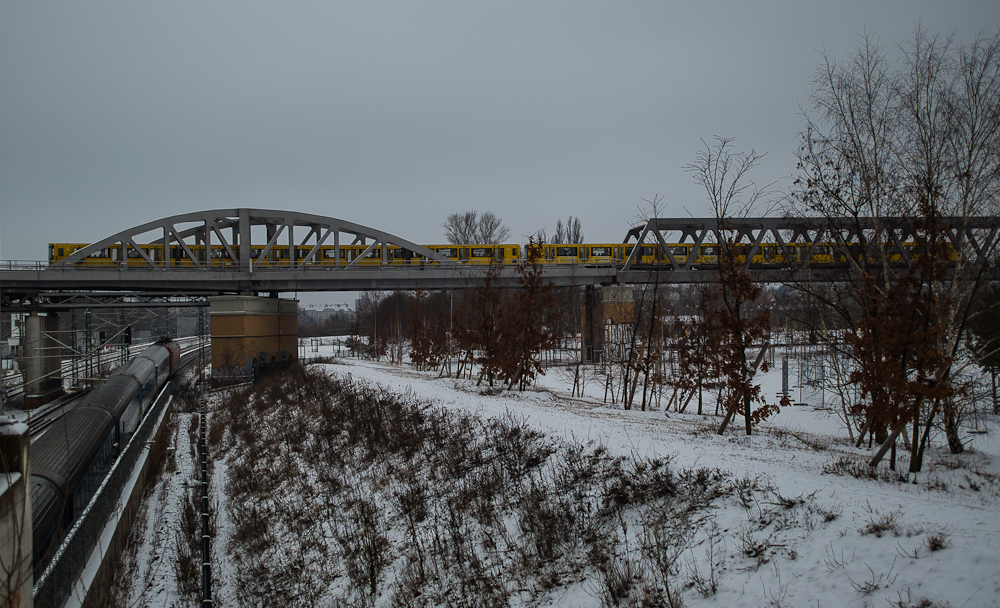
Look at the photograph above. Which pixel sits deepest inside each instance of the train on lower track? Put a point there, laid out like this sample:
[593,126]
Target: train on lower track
[650,255]
[70,459]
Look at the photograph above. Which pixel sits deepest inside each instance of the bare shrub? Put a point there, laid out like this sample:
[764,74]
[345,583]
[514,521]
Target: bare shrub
[937,541]
[909,602]
[879,524]
[365,547]
[337,487]
[706,581]
[859,469]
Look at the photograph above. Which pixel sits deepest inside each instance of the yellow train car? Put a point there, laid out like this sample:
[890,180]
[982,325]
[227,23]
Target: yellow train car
[591,255]
[109,256]
[506,254]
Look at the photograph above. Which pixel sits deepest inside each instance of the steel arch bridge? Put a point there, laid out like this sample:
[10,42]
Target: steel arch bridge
[246,240]
[210,228]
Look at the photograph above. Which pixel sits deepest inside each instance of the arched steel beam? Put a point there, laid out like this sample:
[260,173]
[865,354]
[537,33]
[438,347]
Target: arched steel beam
[212,225]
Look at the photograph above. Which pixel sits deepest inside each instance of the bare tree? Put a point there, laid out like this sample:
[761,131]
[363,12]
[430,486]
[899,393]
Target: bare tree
[743,324]
[471,227]
[372,335]
[460,228]
[570,233]
[491,229]
[920,141]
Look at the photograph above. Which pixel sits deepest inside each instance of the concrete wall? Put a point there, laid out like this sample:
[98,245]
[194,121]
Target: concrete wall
[15,515]
[618,304]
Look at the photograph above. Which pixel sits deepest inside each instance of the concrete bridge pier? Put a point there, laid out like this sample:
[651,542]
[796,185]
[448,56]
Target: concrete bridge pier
[593,325]
[42,359]
[251,335]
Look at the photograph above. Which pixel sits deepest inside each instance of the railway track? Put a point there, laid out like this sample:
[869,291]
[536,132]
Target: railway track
[15,382]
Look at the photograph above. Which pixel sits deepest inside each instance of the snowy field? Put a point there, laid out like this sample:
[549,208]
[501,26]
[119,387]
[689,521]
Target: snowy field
[816,537]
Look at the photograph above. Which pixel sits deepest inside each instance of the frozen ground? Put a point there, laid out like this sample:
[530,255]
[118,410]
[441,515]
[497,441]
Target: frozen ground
[874,550]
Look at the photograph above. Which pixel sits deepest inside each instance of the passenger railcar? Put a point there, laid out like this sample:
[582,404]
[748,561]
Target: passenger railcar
[73,455]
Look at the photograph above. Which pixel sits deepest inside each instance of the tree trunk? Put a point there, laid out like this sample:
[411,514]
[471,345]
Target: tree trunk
[701,379]
[955,445]
[742,396]
[918,463]
[862,432]
[877,458]
[746,407]
[996,404]
[728,416]
[688,400]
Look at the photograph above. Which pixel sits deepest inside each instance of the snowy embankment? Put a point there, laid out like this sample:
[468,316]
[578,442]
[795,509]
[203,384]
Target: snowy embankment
[775,519]
[846,562]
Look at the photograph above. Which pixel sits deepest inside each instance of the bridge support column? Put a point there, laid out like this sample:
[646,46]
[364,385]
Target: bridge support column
[42,359]
[593,325]
[15,514]
[252,335]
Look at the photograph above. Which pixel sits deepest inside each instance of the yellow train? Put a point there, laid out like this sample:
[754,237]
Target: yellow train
[767,254]
[278,256]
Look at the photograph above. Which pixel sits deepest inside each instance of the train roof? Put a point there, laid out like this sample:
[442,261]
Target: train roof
[114,394]
[46,501]
[68,446]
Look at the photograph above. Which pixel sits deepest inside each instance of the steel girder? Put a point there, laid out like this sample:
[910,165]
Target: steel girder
[210,228]
[66,300]
[974,238]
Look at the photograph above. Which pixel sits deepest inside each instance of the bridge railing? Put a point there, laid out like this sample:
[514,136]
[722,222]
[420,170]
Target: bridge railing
[23,265]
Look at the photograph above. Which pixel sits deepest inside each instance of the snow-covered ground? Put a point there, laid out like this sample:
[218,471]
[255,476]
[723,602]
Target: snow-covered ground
[826,539]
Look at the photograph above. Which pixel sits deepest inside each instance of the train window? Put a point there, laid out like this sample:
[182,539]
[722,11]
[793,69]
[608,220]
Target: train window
[822,250]
[482,252]
[514,253]
[600,251]
[447,252]
[679,251]
[566,251]
[709,250]
[329,254]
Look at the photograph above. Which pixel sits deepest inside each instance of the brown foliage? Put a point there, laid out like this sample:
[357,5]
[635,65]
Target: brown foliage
[509,328]
[741,324]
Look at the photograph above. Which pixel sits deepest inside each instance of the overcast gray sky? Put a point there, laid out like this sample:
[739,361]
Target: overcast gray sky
[393,115]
